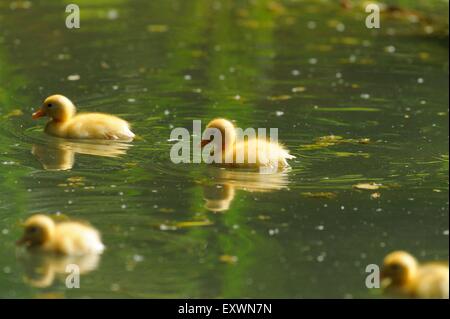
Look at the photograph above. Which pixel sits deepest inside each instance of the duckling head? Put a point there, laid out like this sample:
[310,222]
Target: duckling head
[399,267]
[39,229]
[226,129]
[57,107]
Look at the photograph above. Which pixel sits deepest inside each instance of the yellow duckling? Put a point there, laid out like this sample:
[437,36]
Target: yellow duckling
[403,275]
[65,238]
[252,152]
[65,123]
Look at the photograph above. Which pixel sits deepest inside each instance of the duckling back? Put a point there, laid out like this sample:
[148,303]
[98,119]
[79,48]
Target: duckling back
[432,281]
[92,126]
[77,239]
[261,153]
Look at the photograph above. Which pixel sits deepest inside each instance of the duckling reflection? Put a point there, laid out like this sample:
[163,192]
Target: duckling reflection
[41,270]
[219,195]
[59,154]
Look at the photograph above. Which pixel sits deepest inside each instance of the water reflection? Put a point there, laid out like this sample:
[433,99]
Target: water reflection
[41,270]
[59,154]
[220,194]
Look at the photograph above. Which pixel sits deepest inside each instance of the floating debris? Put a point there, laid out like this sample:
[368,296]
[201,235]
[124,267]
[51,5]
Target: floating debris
[13,113]
[375,195]
[349,154]
[228,259]
[346,109]
[367,186]
[112,14]
[298,89]
[157,28]
[389,49]
[279,97]
[73,77]
[74,181]
[167,227]
[195,223]
[327,195]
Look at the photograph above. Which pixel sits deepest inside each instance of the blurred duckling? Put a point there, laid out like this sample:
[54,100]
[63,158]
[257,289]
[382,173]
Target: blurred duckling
[403,275]
[41,270]
[218,197]
[64,238]
[257,152]
[65,123]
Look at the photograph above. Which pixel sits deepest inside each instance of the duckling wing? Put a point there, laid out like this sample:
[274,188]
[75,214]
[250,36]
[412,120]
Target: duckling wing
[261,153]
[98,126]
[77,239]
[433,281]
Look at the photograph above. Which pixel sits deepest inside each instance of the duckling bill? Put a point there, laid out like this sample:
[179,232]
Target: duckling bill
[64,122]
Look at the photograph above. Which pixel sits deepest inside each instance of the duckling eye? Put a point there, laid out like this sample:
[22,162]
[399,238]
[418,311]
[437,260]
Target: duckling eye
[49,104]
[396,267]
[32,230]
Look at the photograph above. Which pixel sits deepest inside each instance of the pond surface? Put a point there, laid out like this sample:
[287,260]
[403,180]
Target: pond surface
[353,105]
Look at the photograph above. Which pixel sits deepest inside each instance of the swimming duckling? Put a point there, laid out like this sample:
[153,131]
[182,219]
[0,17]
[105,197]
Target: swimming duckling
[403,275]
[255,152]
[65,237]
[65,123]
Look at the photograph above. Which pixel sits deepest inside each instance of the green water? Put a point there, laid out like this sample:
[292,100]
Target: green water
[309,68]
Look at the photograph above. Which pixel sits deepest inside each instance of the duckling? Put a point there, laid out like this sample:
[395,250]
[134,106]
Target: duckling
[65,123]
[403,275]
[256,152]
[64,238]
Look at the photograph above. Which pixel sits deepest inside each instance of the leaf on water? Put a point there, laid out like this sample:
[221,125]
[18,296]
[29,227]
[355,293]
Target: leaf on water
[276,7]
[298,89]
[279,97]
[330,140]
[157,28]
[13,113]
[375,195]
[346,109]
[50,295]
[346,41]
[194,223]
[75,179]
[228,259]
[367,186]
[327,195]
[349,154]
